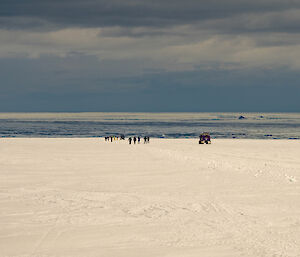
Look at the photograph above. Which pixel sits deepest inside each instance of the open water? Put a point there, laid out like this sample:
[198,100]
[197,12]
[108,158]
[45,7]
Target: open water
[163,125]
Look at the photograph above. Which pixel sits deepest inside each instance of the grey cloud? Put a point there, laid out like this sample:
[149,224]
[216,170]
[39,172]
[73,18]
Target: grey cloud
[50,14]
[254,90]
[278,21]
[122,54]
[165,35]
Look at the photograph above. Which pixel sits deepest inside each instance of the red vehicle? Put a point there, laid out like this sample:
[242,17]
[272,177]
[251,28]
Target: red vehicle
[204,138]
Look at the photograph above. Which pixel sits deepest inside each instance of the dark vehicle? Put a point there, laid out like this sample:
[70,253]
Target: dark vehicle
[204,138]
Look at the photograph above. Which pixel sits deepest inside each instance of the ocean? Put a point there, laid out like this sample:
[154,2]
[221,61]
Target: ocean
[160,125]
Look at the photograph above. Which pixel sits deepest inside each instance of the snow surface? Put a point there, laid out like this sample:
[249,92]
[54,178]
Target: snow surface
[172,198]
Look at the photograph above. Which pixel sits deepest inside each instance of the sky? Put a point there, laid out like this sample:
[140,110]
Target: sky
[150,56]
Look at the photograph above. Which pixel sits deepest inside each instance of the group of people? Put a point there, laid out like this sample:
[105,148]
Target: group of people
[113,138]
[138,140]
[133,140]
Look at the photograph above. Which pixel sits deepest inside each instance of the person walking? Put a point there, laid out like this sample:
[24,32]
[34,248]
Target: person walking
[134,140]
[129,139]
[148,139]
[139,140]
[145,140]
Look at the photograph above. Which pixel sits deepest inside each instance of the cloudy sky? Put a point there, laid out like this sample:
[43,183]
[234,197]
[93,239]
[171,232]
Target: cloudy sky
[142,55]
